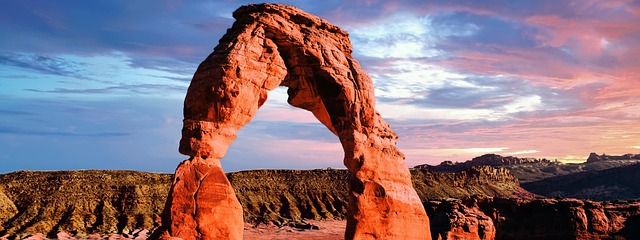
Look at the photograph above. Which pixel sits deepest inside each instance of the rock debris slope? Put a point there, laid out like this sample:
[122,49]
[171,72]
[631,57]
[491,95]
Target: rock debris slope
[80,202]
[273,45]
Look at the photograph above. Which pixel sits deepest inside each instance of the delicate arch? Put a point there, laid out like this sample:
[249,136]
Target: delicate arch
[275,45]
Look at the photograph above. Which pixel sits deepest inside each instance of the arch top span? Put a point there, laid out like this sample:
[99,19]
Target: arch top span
[272,45]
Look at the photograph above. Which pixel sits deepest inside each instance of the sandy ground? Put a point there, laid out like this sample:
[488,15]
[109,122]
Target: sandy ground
[328,230]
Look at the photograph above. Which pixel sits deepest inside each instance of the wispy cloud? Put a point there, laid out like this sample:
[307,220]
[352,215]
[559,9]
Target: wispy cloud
[43,64]
[523,152]
[53,132]
[137,88]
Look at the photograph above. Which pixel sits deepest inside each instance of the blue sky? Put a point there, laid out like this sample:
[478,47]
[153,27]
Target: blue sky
[100,84]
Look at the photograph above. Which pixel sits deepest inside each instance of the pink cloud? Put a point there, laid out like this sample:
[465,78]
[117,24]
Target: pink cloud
[550,140]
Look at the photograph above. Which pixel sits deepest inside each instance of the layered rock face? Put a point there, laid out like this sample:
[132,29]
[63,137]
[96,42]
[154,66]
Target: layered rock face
[81,202]
[454,220]
[500,218]
[474,181]
[563,219]
[274,45]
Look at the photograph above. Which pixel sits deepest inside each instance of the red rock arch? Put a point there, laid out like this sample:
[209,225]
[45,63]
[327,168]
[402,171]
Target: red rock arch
[275,45]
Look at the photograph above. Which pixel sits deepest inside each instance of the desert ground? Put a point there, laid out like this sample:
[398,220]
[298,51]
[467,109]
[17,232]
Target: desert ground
[327,230]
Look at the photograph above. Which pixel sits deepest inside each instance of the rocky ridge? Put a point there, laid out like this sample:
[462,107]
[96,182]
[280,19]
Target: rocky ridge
[594,157]
[474,181]
[107,202]
[80,202]
[532,169]
[603,185]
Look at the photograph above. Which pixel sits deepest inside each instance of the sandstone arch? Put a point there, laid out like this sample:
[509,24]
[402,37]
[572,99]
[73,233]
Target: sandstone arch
[275,45]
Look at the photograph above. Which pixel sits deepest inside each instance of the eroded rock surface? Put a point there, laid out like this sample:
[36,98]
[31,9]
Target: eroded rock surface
[454,220]
[501,218]
[474,181]
[275,45]
[81,202]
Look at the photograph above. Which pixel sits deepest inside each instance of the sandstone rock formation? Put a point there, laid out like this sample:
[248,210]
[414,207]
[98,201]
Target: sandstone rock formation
[274,45]
[454,220]
[562,219]
[594,157]
[540,219]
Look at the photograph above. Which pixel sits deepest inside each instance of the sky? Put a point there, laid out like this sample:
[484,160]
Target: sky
[101,84]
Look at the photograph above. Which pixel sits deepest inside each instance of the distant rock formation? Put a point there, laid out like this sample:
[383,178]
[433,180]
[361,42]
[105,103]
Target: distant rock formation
[493,160]
[532,169]
[594,157]
[610,184]
[273,45]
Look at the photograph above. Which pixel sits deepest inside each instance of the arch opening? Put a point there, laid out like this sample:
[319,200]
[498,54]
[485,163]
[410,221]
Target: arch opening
[281,136]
